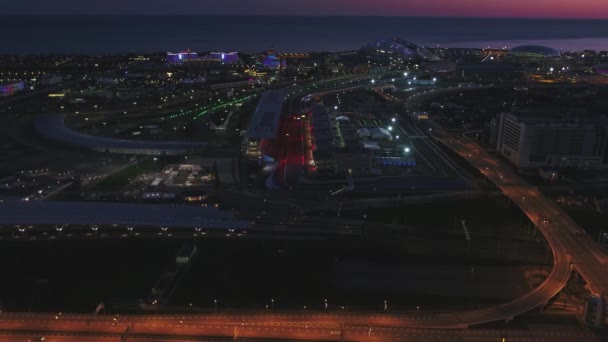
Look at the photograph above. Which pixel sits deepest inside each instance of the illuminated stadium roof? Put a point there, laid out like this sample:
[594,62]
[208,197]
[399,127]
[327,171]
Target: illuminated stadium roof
[601,69]
[399,46]
[534,52]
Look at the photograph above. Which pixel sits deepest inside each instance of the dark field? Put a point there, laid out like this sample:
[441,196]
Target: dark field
[420,263]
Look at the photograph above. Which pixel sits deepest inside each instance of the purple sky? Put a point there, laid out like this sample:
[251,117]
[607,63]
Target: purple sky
[474,8]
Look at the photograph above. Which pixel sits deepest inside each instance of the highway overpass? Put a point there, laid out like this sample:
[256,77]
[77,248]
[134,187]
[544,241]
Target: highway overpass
[571,247]
[52,127]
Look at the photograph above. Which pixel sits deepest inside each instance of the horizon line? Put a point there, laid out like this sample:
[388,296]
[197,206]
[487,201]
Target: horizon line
[292,15]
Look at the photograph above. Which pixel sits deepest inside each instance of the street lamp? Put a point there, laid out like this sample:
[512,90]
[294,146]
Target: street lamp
[407,150]
[390,128]
[393,119]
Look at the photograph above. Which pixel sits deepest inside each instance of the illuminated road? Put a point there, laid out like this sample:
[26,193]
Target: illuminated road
[326,327]
[294,158]
[572,247]
[563,235]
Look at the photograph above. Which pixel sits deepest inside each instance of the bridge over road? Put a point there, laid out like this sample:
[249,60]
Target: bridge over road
[572,248]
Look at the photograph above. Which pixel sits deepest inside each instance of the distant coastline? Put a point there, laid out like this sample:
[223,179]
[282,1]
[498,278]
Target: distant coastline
[289,16]
[115,34]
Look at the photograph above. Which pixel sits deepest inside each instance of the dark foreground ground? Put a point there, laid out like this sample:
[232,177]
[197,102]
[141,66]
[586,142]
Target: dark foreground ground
[414,263]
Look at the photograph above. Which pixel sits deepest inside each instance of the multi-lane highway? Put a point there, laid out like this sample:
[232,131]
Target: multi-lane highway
[327,327]
[573,249]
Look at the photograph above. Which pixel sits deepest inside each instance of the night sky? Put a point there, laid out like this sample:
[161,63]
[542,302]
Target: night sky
[471,8]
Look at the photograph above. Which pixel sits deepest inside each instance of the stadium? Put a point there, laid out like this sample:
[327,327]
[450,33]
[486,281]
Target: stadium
[601,69]
[397,47]
[532,54]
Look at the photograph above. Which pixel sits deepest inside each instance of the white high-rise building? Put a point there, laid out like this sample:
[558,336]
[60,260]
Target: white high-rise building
[542,139]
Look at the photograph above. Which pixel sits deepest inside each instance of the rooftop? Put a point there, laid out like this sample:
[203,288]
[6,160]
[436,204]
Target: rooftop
[265,121]
[534,51]
[401,47]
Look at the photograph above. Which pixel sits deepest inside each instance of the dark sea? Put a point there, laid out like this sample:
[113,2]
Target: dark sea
[124,34]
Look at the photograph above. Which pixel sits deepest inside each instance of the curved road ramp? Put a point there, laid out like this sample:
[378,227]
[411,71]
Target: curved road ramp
[52,127]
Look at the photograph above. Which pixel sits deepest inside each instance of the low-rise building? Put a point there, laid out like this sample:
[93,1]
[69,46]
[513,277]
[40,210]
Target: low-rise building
[224,57]
[181,57]
[8,89]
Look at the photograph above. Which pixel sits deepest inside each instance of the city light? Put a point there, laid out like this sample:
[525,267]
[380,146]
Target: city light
[307,170]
